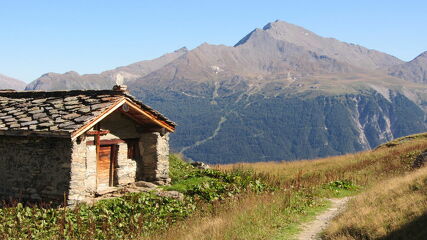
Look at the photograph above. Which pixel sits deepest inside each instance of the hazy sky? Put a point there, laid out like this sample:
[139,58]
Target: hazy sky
[92,36]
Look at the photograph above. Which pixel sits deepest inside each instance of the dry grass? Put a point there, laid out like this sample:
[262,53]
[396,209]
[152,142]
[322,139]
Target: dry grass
[365,168]
[300,192]
[394,209]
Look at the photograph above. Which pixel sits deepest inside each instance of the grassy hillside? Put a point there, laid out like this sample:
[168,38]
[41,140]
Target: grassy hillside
[302,188]
[394,209]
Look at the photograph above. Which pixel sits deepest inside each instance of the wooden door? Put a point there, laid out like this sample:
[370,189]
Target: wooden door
[106,166]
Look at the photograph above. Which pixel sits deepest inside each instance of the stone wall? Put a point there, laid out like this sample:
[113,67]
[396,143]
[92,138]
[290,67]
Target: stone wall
[154,150]
[126,169]
[34,168]
[78,190]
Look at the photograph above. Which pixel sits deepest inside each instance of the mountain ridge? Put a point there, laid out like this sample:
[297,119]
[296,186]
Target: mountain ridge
[7,82]
[414,70]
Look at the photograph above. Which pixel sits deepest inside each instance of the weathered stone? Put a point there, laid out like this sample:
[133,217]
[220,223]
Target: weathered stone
[26,119]
[82,118]
[72,102]
[200,165]
[98,106]
[39,115]
[70,99]
[36,111]
[83,110]
[65,124]
[42,100]
[70,107]
[71,116]
[46,124]
[10,120]
[28,123]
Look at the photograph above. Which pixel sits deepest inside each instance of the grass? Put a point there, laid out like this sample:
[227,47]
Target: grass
[394,209]
[302,188]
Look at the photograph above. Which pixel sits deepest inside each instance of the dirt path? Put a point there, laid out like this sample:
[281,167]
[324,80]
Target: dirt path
[312,229]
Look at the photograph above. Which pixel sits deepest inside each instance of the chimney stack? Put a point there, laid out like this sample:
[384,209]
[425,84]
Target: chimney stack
[119,84]
[121,88]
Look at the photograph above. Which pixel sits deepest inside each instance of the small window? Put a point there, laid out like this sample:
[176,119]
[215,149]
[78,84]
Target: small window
[133,148]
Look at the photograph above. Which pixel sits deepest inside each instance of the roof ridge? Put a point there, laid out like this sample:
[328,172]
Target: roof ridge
[57,93]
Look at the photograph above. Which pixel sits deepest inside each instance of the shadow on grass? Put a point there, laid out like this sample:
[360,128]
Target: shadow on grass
[412,231]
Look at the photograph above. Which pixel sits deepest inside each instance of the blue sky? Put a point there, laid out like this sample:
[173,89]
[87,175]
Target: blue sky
[92,36]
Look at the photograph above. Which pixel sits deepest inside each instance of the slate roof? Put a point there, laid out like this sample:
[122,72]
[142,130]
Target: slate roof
[59,111]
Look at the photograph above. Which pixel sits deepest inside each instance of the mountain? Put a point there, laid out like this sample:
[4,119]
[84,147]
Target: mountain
[415,70]
[73,80]
[344,52]
[11,83]
[281,93]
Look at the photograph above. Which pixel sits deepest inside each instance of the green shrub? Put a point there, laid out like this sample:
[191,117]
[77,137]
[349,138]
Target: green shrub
[130,215]
[341,185]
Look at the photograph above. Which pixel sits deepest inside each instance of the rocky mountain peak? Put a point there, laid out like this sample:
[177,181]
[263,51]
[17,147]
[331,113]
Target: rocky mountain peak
[181,50]
[422,55]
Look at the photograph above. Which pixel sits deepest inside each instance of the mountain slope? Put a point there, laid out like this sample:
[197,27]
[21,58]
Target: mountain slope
[11,83]
[415,70]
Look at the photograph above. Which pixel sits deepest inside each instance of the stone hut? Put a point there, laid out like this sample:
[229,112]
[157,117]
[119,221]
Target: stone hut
[75,144]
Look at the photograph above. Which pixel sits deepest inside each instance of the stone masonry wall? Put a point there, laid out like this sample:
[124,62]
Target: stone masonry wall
[34,168]
[154,149]
[126,169]
[78,188]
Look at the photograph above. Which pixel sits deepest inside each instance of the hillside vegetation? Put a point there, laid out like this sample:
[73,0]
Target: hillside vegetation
[302,188]
[394,209]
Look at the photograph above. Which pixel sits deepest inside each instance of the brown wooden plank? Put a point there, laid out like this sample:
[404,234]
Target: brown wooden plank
[106,142]
[98,132]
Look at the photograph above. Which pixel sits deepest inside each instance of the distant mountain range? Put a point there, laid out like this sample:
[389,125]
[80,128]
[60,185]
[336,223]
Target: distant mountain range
[11,83]
[280,93]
